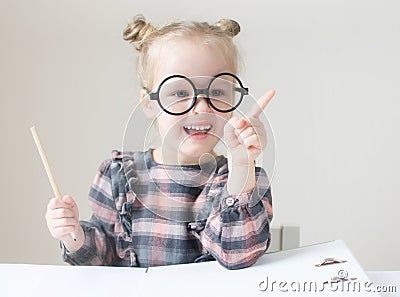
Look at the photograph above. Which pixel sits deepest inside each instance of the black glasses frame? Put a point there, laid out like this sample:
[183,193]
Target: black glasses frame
[156,95]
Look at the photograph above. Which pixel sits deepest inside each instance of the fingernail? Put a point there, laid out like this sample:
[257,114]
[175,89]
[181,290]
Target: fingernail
[238,122]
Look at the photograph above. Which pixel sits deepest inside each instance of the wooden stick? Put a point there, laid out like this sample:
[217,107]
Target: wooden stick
[50,175]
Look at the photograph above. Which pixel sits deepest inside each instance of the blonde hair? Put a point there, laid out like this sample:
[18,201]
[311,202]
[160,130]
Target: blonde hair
[143,36]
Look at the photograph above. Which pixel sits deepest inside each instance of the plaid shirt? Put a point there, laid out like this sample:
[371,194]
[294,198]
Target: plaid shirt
[149,214]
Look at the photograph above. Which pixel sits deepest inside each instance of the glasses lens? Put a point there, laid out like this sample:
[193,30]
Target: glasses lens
[225,92]
[176,95]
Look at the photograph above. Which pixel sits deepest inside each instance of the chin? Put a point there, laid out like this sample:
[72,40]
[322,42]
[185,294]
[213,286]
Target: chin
[194,152]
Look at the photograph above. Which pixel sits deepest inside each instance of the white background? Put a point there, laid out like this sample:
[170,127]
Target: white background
[335,65]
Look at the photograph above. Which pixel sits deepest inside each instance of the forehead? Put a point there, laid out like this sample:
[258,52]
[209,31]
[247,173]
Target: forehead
[189,57]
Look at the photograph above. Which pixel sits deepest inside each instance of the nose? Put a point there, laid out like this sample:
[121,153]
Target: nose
[201,104]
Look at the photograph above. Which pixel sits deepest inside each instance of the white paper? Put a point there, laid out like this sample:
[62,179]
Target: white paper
[284,273]
[59,281]
[287,273]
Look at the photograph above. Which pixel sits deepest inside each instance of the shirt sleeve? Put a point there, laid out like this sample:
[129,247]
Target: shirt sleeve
[238,233]
[99,247]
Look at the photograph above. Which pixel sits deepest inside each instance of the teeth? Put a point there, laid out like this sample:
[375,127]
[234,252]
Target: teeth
[199,128]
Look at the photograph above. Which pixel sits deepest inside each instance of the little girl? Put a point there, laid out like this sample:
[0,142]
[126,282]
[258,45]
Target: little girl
[142,216]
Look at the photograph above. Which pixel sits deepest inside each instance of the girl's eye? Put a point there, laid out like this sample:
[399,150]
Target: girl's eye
[215,93]
[181,94]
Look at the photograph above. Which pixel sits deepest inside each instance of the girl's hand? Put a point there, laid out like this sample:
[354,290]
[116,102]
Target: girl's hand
[62,218]
[246,137]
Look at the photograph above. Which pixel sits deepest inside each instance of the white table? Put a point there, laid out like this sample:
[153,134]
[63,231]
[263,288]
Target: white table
[283,273]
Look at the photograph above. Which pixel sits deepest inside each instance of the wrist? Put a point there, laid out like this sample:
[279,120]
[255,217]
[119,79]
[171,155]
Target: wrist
[241,178]
[72,245]
[242,164]
[235,165]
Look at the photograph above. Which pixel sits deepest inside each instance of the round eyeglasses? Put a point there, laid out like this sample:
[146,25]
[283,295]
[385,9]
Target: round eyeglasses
[177,94]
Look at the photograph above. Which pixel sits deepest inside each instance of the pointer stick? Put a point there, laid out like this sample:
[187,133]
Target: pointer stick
[48,170]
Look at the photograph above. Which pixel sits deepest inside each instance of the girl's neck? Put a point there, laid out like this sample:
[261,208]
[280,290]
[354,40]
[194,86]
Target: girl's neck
[172,158]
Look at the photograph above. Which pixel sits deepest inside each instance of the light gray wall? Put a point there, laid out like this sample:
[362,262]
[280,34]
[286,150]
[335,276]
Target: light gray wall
[335,66]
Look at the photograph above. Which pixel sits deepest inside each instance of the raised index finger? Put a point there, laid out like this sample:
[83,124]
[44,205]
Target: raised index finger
[261,103]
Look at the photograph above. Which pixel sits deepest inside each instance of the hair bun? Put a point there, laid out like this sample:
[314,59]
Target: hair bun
[137,31]
[230,27]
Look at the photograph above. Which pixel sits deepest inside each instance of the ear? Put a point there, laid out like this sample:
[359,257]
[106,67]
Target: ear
[147,105]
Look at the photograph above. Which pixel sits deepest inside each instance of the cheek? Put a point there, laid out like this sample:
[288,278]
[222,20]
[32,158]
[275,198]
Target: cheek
[168,126]
[221,120]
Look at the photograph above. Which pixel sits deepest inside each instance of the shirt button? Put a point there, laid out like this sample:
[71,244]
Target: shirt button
[230,201]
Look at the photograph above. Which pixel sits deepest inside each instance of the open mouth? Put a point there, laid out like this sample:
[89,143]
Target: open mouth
[197,129]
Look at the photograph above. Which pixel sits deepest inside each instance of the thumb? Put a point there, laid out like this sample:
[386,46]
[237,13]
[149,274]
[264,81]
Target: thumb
[71,202]
[229,130]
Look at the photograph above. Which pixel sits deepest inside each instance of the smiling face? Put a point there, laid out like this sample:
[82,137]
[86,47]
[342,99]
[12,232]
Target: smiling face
[185,138]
